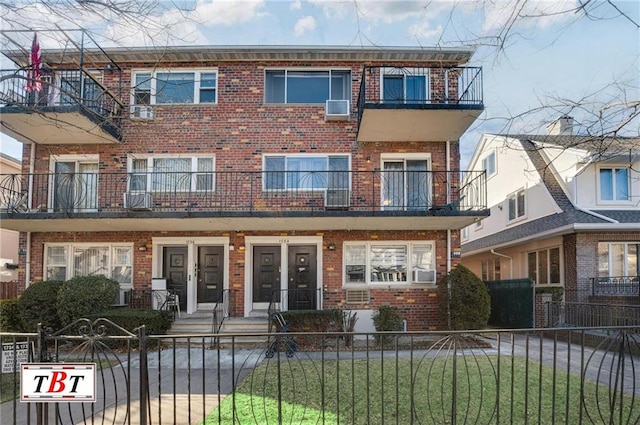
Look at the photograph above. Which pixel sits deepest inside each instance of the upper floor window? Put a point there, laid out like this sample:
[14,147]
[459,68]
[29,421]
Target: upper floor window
[405,183]
[614,184]
[183,86]
[75,182]
[306,172]
[397,262]
[293,86]
[544,266]
[489,164]
[405,85]
[171,174]
[516,205]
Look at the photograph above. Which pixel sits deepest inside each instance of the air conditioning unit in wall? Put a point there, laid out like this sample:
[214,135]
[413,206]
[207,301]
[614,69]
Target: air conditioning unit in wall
[337,198]
[424,276]
[142,112]
[139,201]
[336,110]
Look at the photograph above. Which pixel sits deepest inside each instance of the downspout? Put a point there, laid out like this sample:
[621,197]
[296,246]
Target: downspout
[448,250]
[575,204]
[448,169]
[27,266]
[510,262]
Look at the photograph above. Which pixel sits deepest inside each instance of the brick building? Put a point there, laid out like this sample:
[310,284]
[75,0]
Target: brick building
[295,177]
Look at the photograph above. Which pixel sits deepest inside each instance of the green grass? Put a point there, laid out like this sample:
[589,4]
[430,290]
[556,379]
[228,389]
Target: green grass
[10,387]
[420,391]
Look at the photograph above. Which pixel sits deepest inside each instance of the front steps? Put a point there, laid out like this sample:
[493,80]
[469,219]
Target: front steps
[201,323]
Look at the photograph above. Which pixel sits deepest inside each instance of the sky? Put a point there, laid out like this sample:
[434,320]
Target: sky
[540,58]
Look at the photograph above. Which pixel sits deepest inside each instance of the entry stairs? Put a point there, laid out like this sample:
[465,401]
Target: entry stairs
[201,323]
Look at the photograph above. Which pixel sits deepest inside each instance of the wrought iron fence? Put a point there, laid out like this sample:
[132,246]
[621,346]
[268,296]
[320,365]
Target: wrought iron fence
[482,377]
[392,192]
[622,286]
[589,314]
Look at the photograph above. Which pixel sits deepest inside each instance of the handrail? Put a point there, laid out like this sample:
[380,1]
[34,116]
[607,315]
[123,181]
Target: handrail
[220,312]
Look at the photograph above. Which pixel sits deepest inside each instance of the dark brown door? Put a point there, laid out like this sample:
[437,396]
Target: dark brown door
[266,272]
[302,293]
[175,270]
[210,273]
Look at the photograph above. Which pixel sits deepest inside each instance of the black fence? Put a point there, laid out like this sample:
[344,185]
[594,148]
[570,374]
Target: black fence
[512,303]
[539,376]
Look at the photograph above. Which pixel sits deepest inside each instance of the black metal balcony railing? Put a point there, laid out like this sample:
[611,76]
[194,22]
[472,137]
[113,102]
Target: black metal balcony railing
[60,88]
[421,88]
[395,192]
[622,286]
[561,314]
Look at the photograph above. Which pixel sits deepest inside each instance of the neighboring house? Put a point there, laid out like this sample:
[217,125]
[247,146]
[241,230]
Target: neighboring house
[8,238]
[283,177]
[565,212]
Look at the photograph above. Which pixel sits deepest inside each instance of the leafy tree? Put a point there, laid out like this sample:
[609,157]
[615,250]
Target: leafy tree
[464,299]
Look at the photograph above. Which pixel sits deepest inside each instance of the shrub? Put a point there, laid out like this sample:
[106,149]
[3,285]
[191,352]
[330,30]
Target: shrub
[37,304]
[319,321]
[386,318]
[465,298]
[81,296]
[10,315]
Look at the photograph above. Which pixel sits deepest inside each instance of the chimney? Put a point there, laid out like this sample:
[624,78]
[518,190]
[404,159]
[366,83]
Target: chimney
[563,126]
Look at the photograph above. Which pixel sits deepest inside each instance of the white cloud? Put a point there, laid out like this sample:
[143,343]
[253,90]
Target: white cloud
[303,25]
[533,13]
[296,5]
[421,31]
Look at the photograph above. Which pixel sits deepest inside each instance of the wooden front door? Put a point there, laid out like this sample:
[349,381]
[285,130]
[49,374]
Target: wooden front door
[210,273]
[266,272]
[175,260]
[302,275]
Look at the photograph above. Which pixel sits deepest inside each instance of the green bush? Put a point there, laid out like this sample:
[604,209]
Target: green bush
[82,296]
[37,304]
[386,318]
[464,298]
[313,320]
[10,315]
[156,322]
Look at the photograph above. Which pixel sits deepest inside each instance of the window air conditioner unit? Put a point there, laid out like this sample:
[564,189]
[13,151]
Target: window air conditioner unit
[427,276]
[137,201]
[142,112]
[357,296]
[336,110]
[337,198]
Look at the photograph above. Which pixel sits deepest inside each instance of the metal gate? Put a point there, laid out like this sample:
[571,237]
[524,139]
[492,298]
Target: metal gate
[512,303]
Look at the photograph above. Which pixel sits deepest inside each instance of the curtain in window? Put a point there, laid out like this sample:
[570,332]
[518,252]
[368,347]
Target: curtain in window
[171,174]
[417,185]
[274,172]
[87,186]
[416,89]
[338,173]
[393,88]
[393,186]
[63,184]
[622,184]
[307,173]
[175,87]
[57,263]
[91,261]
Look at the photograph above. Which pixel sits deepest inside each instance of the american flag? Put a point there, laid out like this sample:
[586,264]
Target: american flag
[34,82]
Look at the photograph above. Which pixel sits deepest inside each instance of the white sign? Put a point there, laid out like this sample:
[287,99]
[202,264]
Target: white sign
[56,382]
[21,352]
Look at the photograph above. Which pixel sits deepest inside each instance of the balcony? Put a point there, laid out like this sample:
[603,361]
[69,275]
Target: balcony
[71,106]
[418,104]
[365,200]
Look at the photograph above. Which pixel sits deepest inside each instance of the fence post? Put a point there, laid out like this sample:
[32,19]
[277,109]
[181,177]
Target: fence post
[144,376]
[42,409]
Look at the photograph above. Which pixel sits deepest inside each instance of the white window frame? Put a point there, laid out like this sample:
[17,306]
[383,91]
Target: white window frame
[519,215]
[613,168]
[392,280]
[611,260]
[286,172]
[347,96]
[547,253]
[491,268]
[404,157]
[69,261]
[194,173]
[487,160]
[411,72]
[197,72]
[93,159]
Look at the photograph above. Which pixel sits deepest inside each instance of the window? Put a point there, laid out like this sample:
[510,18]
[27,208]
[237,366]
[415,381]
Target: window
[544,266]
[405,85]
[389,262]
[516,205]
[491,269]
[406,184]
[489,164]
[115,261]
[182,174]
[614,184]
[176,86]
[464,233]
[618,259]
[293,86]
[306,172]
[75,183]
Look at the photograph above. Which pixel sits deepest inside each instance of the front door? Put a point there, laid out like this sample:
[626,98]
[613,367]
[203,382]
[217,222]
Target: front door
[210,273]
[175,259]
[302,292]
[266,273]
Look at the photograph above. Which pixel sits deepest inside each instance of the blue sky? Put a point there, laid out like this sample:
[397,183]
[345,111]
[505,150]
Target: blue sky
[551,58]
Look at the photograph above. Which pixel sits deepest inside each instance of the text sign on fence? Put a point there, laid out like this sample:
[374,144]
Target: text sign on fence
[13,354]
[53,382]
